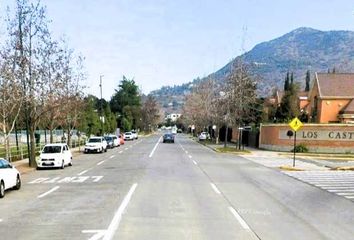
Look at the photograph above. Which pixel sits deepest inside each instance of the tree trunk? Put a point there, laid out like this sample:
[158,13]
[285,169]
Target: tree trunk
[32,154]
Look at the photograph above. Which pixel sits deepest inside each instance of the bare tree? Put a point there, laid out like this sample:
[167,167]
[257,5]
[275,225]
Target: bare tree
[150,113]
[10,97]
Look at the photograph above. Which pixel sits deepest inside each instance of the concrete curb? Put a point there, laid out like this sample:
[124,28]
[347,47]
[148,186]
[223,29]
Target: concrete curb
[289,168]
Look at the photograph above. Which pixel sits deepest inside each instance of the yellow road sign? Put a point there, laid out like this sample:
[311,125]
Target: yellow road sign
[296,124]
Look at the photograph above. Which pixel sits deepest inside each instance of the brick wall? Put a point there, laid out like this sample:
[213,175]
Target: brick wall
[325,138]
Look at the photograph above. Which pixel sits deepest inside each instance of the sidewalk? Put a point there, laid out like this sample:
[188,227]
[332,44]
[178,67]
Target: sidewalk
[303,161]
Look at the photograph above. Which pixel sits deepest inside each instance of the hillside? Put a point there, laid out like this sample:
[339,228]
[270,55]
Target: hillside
[298,51]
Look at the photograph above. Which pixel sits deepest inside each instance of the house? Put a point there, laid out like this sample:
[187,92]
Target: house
[173,117]
[331,99]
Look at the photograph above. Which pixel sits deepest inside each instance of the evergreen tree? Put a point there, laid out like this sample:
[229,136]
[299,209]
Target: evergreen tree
[308,79]
[291,81]
[286,84]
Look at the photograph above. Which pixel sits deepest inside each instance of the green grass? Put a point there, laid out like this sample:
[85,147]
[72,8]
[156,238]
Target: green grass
[231,150]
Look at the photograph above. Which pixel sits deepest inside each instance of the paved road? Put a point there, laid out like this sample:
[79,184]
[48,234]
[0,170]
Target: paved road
[150,190]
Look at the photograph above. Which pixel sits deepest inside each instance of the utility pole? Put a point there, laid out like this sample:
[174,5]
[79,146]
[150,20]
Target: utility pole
[101,106]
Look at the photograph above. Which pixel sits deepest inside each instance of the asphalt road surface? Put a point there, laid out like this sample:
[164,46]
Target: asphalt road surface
[147,189]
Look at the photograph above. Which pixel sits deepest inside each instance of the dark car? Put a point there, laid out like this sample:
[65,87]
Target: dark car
[168,137]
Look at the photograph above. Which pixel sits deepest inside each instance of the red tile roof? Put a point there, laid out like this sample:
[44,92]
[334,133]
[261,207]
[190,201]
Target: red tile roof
[339,85]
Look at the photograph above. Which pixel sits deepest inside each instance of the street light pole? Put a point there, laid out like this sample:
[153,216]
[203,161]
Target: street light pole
[101,106]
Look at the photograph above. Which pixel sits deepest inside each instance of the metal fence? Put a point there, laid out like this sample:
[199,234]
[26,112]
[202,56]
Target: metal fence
[18,148]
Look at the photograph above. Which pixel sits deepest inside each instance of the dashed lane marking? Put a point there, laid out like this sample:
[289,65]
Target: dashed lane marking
[189,156]
[111,157]
[239,218]
[120,151]
[83,172]
[49,192]
[100,163]
[195,163]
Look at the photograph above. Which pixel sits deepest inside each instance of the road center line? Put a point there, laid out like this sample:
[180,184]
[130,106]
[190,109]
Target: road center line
[239,218]
[118,216]
[100,163]
[50,191]
[153,150]
[83,172]
[215,188]
[111,157]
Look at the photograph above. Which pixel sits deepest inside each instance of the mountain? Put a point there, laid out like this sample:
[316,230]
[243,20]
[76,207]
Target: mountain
[297,51]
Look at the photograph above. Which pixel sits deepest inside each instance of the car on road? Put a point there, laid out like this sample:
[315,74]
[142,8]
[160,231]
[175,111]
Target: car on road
[121,139]
[168,137]
[128,136]
[10,177]
[109,141]
[203,136]
[116,141]
[135,134]
[96,144]
[55,155]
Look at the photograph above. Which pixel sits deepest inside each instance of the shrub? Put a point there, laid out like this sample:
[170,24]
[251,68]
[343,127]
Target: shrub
[301,148]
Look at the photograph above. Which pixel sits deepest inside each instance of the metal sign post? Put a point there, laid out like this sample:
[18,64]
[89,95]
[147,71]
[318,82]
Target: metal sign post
[295,124]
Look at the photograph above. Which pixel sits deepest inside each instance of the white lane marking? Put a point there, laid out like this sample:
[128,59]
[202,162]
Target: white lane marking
[118,216]
[1,220]
[126,148]
[50,191]
[189,156]
[97,178]
[38,180]
[350,197]
[98,234]
[100,163]
[239,218]
[130,146]
[186,152]
[83,172]
[153,150]
[111,157]
[195,163]
[121,152]
[215,188]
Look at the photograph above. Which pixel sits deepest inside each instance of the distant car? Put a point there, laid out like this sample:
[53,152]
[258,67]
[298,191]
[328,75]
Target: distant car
[203,136]
[121,139]
[96,144]
[135,134]
[9,177]
[168,137]
[128,136]
[109,141]
[55,155]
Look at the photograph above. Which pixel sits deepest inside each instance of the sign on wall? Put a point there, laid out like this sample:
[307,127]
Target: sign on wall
[318,135]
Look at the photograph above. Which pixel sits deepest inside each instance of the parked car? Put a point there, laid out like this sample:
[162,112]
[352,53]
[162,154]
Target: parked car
[203,136]
[128,136]
[135,134]
[55,155]
[168,137]
[9,177]
[116,141]
[121,139]
[96,144]
[109,141]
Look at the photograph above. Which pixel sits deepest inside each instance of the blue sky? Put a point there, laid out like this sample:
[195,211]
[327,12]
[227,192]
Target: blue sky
[167,42]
